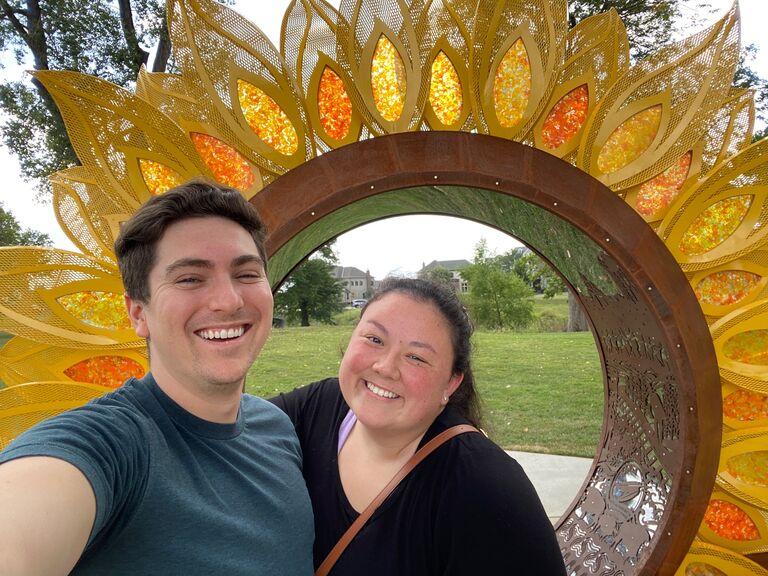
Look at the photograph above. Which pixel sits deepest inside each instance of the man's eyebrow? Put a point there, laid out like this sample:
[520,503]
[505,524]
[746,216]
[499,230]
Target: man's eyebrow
[247,259]
[187,263]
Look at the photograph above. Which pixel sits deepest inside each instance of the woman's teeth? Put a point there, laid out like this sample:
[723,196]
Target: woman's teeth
[380,391]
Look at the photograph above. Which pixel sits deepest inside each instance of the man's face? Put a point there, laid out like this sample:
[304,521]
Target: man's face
[209,310]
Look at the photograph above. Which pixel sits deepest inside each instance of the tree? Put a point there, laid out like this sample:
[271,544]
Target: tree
[311,292]
[497,299]
[11,233]
[747,78]
[98,37]
[439,275]
[649,23]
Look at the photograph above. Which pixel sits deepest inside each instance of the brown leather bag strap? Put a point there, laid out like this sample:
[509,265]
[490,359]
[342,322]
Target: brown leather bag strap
[420,454]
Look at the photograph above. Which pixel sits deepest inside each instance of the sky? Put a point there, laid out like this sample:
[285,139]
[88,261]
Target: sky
[400,245]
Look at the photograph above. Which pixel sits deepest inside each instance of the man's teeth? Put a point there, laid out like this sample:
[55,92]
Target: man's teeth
[224,334]
[380,391]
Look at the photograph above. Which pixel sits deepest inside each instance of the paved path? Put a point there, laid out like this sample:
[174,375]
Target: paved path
[556,478]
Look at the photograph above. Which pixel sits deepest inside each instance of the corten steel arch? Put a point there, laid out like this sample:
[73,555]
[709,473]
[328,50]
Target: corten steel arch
[643,500]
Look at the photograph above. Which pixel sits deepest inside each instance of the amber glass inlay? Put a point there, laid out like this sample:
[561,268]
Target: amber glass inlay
[750,347]
[566,118]
[158,177]
[334,105]
[729,521]
[388,80]
[703,569]
[267,119]
[745,406]
[445,90]
[750,468]
[627,142]
[658,193]
[713,226]
[105,370]
[726,287]
[100,309]
[512,85]
[226,163]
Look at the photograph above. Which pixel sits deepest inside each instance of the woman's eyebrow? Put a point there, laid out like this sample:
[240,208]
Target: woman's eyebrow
[416,343]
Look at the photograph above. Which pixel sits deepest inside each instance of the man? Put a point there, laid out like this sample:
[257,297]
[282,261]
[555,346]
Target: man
[179,472]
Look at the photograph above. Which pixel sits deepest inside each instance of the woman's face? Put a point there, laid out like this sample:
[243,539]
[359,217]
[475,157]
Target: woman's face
[396,372]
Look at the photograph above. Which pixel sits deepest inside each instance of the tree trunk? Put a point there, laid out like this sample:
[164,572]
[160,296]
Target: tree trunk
[304,316]
[163,52]
[577,320]
[139,56]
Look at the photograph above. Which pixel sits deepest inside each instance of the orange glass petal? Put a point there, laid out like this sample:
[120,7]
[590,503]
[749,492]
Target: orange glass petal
[445,90]
[750,468]
[110,371]
[512,85]
[657,194]
[334,105]
[158,177]
[726,287]
[729,521]
[713,226]
[627,142]
[745,406]
[267,119]
[226,163]
[566,118]
[388,82]
[99,309]
[703,569]
[750,347]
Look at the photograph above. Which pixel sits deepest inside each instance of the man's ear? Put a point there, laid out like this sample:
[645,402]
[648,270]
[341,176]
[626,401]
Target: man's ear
[136,311]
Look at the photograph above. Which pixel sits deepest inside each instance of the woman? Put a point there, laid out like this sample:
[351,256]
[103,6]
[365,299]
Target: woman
[468,508]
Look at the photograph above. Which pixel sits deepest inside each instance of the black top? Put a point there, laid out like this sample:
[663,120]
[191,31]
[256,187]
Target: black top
[467,509]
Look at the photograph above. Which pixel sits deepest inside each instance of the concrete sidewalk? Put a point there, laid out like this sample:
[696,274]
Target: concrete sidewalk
[556,478]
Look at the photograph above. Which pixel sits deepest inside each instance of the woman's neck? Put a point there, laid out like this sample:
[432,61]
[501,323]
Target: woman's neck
[370,458]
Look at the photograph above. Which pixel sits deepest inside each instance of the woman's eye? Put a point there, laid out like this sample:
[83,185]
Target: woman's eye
[416,358]
[373,339]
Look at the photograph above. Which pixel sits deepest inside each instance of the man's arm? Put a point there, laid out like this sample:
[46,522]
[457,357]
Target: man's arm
[47,510]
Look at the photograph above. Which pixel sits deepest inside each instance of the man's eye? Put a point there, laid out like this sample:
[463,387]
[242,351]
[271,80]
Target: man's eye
[249,276]
[373,339]
[187,280]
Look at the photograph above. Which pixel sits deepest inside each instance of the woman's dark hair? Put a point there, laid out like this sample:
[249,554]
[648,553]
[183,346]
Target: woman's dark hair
[465,398]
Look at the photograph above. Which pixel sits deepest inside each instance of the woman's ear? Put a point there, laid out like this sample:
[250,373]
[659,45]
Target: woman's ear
[453,385]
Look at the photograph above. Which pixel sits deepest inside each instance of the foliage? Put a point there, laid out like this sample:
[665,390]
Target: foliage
[311,292]
[11,233]
[539,392]
[98,37]
[497,299]
[439,275]
[649,23]
[748,78]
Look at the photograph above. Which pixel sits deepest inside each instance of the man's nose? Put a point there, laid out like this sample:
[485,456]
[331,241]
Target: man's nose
[225,295]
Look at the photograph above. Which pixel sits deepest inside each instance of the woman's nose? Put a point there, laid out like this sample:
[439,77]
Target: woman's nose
[386,365]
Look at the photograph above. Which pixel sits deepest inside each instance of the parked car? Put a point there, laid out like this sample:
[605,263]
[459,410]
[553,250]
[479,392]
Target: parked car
[359,302]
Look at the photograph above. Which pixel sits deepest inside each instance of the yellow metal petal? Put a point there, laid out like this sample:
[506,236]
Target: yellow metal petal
[627,142]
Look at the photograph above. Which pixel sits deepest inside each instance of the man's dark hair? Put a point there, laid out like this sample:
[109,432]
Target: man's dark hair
[136,245]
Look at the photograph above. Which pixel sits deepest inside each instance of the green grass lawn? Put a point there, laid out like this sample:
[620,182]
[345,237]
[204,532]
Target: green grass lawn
[540,392]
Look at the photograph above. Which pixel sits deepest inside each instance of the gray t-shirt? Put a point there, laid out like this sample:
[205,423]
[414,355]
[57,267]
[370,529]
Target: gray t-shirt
[179,495]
